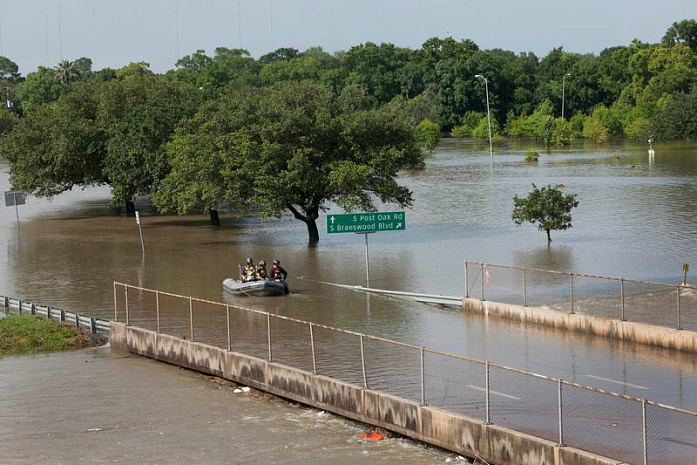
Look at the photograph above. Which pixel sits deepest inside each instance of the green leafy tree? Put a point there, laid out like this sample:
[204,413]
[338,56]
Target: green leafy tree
[481,131]
[677,118]
[549,207]
[294,146]
[428,133]
[684,31]
[40,88]
[9,71]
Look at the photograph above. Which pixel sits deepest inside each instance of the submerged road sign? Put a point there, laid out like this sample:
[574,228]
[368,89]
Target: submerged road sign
[366,222]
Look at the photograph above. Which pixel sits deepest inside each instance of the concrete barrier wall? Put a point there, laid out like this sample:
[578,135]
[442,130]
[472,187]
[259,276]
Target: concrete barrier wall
[659,336]
[450,431]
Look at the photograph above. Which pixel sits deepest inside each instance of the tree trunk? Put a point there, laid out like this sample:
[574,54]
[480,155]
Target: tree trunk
[310,220]
[130,207]
[549,238]
[215,218]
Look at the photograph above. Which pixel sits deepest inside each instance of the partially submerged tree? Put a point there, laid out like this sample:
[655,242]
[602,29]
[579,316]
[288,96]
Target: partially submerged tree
[547,206]
[295,146]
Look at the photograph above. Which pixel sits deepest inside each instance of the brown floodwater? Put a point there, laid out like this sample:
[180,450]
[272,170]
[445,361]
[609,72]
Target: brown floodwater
[635,220]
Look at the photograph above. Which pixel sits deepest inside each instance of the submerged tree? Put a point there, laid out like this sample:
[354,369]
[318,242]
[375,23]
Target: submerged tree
[547,206]
[295,146]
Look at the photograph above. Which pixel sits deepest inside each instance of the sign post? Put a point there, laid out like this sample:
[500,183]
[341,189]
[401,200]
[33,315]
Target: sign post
[366,223]
[140,230]
[15,198]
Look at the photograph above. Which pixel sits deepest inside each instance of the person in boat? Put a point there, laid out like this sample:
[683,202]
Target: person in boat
[261,270]
[248,273]
[278,273]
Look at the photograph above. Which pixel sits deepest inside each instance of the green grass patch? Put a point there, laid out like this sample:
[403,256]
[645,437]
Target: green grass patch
[26,334]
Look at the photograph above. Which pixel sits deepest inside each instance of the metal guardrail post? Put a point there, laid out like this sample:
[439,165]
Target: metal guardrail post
[268,333]
[679,315]
[312,345]
[191,317]
[423,379]
[486,386]
[229,339]
[622,293]
[20,307]
[62,315]
[467,286]
[125,291]
[7,301]
[365,376]
[561,417]
[33,309]
[48,312]
[93,325]
[157,310]
[77,321]
[644,430]
[116,311]
[525,287]
[571,284]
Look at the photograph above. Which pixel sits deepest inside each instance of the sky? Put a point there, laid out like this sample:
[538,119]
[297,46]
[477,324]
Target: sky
[114,33]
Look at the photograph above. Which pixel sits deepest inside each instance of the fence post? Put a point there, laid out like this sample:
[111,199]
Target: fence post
[157,310]
[483,271]
[77,321]
[116,311]
[268,333]
[93,325]
[191,317]
[571,284]
[7,301]
[645,437]
[48,312]
[679,316]
[467,287]
[423,379]
[622,292]
[20,307]
[229,339]
[62,315]
[312,345]
[525,287]
[125,291]
[365,376]
[33,308]
[486,386]
[561,417]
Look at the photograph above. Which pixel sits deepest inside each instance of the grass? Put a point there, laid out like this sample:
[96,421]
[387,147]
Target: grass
[26,334]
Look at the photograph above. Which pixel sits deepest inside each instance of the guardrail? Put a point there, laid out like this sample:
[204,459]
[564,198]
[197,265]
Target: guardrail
[662,304]
[626,428]
[23,307]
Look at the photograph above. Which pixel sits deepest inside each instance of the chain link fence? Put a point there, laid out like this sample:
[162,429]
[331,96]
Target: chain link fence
[615,425]
[669,305]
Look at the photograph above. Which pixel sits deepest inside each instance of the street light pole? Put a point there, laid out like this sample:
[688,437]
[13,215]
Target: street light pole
[488,113]
[563,89]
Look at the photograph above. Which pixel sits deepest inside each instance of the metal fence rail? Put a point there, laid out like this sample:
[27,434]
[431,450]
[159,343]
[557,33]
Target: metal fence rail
[669,305]
[622,427]
[23,307]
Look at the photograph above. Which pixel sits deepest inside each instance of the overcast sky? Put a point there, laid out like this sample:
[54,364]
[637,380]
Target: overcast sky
[116,32]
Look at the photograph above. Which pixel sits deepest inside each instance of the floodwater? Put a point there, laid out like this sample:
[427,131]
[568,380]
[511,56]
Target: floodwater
[88,407]
[635,220]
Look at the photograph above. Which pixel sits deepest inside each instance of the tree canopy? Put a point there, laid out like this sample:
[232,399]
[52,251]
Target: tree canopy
[548,206]
[294,146]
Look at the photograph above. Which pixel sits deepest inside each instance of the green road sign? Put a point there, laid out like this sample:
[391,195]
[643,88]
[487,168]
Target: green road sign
[366,222]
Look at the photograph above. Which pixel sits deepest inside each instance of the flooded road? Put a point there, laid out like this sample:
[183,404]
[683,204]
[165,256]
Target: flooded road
[87,407]
[635,219]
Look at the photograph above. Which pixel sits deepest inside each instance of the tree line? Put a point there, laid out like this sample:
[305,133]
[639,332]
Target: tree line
[292,130]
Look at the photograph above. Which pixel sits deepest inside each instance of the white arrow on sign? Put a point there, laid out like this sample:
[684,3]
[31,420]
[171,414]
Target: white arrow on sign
[399,225]
[331,218]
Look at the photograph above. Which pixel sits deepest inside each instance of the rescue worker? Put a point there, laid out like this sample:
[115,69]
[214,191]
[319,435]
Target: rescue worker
[278,273]
[248,272]
[261,270]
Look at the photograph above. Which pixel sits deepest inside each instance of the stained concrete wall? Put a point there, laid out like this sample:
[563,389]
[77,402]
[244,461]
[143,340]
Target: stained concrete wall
[659,336]
[460,434]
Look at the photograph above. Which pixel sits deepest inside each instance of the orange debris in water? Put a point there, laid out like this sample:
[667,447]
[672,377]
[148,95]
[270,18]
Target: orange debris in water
[374,436]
